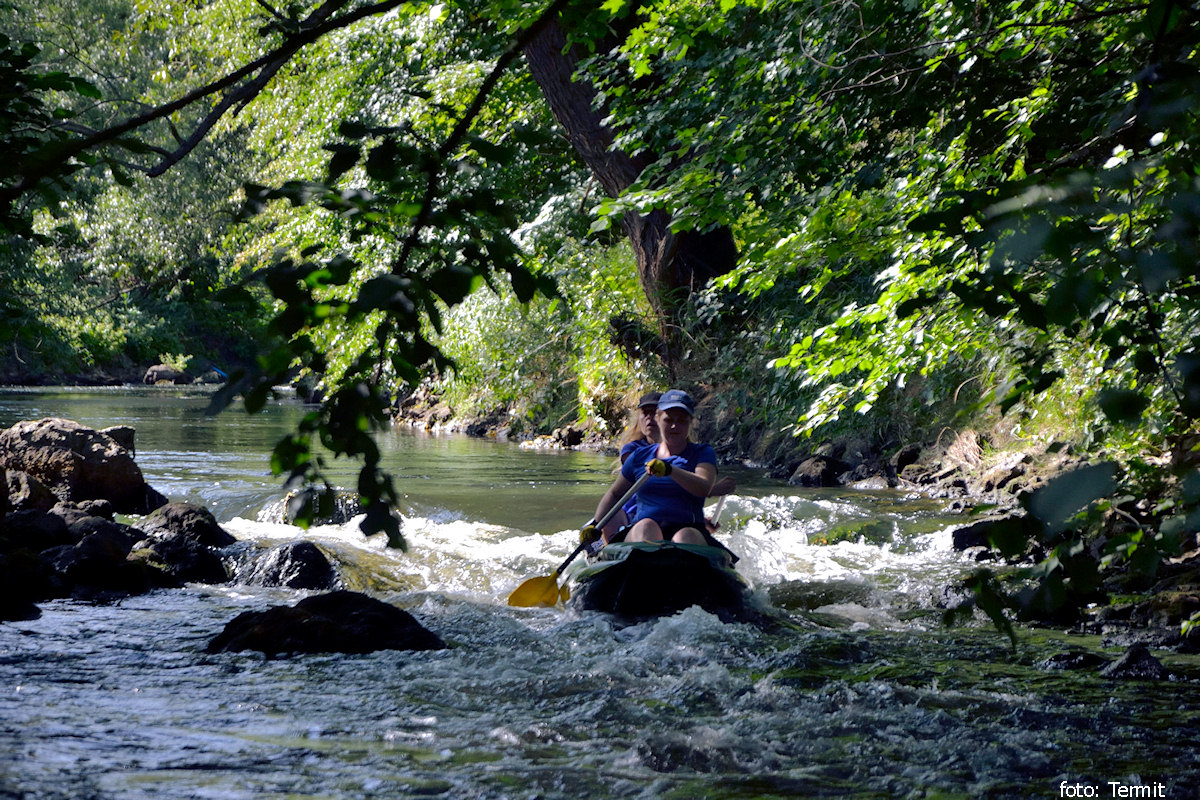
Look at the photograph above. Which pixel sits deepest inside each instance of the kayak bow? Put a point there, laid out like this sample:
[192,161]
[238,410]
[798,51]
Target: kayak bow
[640,580]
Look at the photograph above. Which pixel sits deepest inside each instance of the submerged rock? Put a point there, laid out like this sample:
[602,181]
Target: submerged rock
[808,595]
[337,622]
[296,565]
[344,507]
[1072,660]
[1137,664]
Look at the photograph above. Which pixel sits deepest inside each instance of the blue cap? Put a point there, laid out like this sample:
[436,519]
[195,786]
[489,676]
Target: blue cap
[676,398]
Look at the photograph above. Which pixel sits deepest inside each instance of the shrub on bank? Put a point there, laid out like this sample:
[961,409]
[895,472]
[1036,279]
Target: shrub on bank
[551,361]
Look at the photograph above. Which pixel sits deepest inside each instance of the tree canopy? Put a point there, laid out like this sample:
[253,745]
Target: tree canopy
[877,215]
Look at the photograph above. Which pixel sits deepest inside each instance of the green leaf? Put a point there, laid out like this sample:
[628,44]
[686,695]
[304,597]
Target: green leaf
[379,519]
[453,283]
[342,160]
[912,305]
[86,89]
[949,221]
[1068,494]
[386,292]
[256,398]
[489,150]
[1011,535]
[1123,406]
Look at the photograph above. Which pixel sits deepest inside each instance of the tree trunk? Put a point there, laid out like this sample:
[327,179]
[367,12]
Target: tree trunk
[670,266]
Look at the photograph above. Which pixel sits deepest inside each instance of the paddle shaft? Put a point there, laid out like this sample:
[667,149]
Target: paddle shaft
[718,508]
[604,520]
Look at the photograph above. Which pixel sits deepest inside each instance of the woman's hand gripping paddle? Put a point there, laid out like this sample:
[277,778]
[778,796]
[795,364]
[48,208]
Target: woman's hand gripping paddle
[545,591]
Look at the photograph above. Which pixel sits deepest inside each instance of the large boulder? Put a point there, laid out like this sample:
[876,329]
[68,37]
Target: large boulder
[817,471]
[78,463]
[176,560]
[185,519]
[161,373]
[337,622]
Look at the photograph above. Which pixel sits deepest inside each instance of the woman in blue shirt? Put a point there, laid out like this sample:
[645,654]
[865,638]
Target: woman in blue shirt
[670,505]
[642,431]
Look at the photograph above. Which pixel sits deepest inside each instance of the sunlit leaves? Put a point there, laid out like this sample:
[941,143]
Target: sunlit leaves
[427,223]
[549,360]
[30,127]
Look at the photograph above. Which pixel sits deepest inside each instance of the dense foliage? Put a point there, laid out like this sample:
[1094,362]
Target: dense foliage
[993,201]
[947,214]
[108,270]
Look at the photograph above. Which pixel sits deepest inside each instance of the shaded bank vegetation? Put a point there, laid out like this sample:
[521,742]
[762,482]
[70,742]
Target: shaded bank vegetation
[876,224]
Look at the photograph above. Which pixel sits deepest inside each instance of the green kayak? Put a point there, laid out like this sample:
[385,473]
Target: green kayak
[641,580]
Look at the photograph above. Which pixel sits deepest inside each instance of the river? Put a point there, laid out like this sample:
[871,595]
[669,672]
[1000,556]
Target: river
[861,693]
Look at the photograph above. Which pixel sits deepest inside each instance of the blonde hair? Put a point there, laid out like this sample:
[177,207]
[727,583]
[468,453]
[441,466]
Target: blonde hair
[634,430]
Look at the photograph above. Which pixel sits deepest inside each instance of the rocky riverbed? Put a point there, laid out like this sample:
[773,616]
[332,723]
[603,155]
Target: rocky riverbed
[61,534]
[60,537]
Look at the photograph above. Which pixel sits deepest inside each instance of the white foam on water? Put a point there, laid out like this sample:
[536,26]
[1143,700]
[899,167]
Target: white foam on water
[774,537]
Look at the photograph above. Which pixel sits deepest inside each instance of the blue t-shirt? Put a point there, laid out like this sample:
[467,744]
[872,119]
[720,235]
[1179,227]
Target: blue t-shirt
[662,499]
[629,447]
[630,508]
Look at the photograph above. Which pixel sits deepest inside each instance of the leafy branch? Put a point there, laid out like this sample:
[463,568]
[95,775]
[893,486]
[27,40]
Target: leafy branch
[477,233]
[51,161]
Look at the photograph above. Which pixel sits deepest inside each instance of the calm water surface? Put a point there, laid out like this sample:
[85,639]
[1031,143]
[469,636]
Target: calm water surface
[859,693]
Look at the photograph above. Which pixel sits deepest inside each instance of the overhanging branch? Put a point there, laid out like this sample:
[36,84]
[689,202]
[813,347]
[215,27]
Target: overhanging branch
[452,142]
[318,24]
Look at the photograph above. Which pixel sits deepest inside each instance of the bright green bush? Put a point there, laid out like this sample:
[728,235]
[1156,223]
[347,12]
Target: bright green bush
[550,361]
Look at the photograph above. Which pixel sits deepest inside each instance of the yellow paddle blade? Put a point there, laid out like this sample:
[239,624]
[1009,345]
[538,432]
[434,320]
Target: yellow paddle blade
[564,593]
[536,592]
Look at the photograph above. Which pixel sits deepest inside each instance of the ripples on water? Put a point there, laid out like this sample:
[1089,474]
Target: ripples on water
[120,701]
[857,692]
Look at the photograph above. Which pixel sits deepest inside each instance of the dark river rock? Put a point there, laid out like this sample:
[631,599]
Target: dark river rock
[1137,663]
[296,565]
[338,622]
[190,521]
